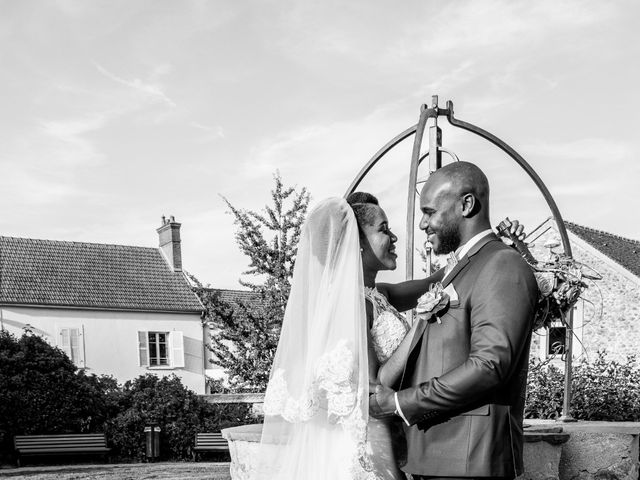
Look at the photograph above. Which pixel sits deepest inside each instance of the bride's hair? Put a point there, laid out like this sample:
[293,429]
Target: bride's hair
[364,206]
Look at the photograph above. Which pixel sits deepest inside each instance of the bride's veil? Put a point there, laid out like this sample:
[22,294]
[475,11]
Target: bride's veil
[316,400]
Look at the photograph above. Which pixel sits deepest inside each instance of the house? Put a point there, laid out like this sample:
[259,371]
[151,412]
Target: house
[114,309]
[607,317]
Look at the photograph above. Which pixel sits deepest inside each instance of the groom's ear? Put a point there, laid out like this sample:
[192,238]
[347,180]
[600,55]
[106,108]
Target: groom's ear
[469,204]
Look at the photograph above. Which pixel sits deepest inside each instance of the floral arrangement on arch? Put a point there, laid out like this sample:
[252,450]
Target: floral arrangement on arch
[561,280]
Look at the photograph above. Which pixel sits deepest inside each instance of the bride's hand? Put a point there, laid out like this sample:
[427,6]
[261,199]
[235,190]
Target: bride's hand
[382,403]
[515,230]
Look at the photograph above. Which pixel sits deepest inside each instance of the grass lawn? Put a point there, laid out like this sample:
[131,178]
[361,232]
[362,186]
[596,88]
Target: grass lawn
[128,471]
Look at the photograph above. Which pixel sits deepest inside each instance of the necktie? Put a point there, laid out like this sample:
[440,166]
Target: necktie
[452,261]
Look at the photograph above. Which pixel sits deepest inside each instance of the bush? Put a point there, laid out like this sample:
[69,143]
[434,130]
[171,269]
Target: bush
[601,390]
[41,392]
[607,390]
[179,412]
[30,371]
[545,387]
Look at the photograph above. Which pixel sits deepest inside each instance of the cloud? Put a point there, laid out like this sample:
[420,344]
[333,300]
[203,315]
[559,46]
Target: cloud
[334,151]
[151,91]
[582,149]
[68,145]
[211,133]
[471,26]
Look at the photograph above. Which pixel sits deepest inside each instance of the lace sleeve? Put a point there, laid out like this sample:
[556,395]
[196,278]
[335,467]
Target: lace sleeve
[387,332]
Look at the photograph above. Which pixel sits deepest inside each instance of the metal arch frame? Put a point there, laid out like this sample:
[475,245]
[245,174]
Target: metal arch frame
[435,143]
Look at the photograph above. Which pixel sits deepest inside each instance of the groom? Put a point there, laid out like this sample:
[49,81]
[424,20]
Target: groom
[462,391]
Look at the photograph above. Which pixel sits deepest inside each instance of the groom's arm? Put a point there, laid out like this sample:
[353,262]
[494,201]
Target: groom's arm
[404,296]
[500,321]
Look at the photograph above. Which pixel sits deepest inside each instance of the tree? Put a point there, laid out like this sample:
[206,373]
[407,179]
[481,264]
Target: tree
[246,331]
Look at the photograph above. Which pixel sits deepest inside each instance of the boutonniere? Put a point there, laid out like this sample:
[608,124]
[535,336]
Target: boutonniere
[432,302]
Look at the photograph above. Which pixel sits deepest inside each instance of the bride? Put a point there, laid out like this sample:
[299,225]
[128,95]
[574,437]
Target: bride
[333,345]
[341,335]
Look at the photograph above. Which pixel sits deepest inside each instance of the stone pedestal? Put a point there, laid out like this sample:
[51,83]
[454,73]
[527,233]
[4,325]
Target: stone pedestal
[601,451]
[542,452]
[244,442]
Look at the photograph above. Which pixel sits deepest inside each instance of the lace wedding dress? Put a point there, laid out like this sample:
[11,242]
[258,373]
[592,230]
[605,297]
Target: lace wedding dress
[316,424]
[316,403]
[385,438]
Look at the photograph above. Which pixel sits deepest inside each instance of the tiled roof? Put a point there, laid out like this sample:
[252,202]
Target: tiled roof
[233,296]
[90,275]
[624,251]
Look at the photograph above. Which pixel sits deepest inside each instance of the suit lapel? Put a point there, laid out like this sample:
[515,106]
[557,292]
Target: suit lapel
[416,336]
[460,266]
[464,261]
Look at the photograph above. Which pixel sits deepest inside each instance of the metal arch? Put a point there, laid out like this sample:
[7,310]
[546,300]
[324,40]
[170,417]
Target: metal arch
[523,163]
[411,196]
[434,145]
[379,154]
[440,149]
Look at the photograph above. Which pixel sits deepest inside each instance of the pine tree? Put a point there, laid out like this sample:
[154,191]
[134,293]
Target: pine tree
[246,331]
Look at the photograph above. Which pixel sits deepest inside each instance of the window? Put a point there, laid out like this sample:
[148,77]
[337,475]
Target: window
[160,349]
[158,354]
[71,341]
[556,340]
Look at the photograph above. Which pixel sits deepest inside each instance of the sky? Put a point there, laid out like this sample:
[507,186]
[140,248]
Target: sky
[114,113]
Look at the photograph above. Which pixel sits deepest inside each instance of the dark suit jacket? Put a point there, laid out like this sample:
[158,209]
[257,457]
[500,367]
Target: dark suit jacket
[463,386]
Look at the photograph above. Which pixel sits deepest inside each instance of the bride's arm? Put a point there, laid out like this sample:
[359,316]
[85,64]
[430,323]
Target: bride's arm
[373,359]
[389,373]
[405,295]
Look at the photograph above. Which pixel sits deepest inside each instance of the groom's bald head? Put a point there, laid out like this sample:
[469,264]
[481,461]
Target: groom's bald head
[455,205]
[461,178]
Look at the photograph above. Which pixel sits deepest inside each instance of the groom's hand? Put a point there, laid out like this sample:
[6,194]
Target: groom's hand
[382,403]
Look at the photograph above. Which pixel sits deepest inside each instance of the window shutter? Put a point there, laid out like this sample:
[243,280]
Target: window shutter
[65,342]
[76,346]
[81,347]
[143,349]
[177,349]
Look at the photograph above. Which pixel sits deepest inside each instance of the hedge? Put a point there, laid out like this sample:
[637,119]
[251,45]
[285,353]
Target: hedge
[602,389]
[31,370]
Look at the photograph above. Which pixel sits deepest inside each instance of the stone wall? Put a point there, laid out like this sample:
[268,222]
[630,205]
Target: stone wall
[609,317]
[593,451]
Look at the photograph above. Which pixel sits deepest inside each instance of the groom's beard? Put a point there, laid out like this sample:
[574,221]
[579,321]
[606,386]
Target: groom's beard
[448,240]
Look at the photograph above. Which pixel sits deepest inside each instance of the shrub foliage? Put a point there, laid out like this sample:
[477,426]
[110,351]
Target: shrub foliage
[601,390]
[179,412]
[42,392]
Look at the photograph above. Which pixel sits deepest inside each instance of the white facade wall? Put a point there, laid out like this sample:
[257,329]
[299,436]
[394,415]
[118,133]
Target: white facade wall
[108,340]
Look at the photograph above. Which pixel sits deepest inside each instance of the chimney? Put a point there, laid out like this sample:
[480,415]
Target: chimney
[169,236]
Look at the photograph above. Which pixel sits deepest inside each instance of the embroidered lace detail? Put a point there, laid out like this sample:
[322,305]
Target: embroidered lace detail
[278,400]
[334,378]
[389,327]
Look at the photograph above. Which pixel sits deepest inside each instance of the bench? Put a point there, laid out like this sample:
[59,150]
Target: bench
[209,442]
[66,444]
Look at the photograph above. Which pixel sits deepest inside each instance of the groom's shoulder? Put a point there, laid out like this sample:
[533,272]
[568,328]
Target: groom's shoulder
[500,255]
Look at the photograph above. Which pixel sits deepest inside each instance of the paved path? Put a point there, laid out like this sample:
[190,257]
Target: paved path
[127,471]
